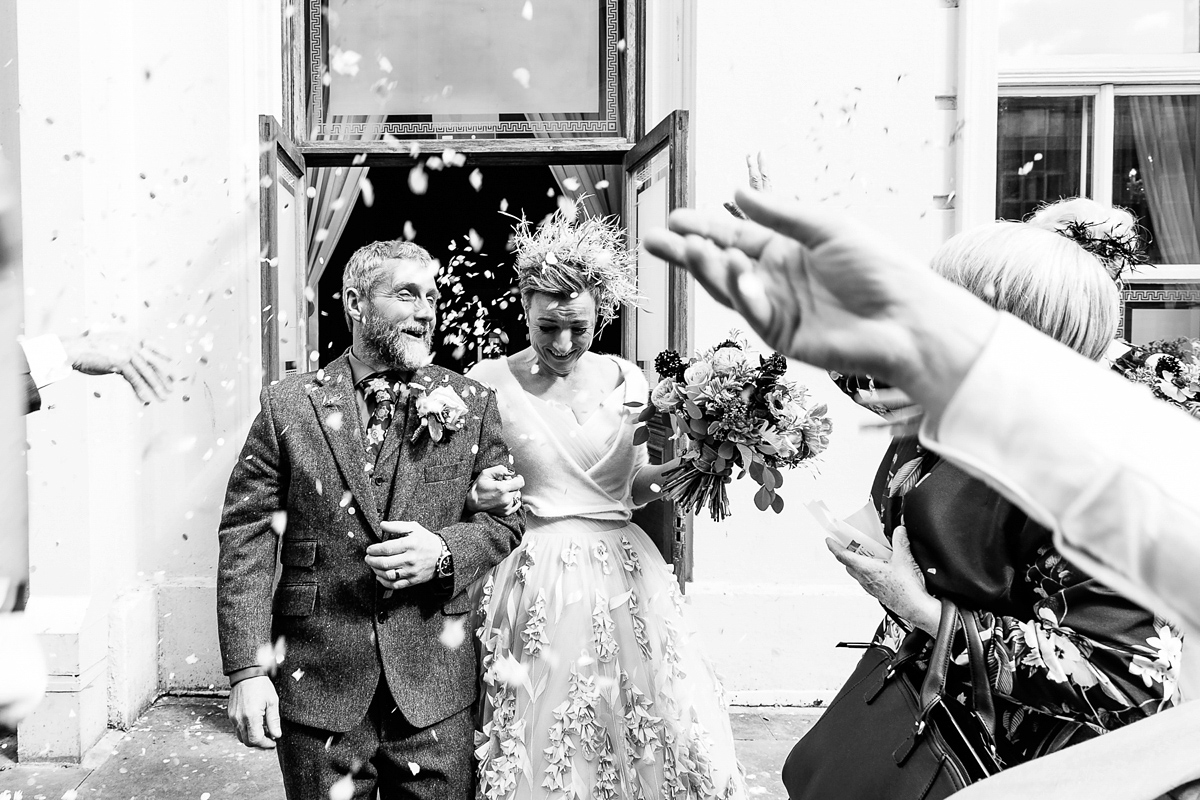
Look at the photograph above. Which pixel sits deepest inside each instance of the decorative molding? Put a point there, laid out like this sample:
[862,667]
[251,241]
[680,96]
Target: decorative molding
[1185,296]
[1155,297]
[608,125]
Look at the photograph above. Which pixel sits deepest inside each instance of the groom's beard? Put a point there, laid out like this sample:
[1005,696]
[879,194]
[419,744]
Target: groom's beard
[393,345]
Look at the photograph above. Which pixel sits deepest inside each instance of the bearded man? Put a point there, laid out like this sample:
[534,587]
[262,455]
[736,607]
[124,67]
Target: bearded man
[358,668]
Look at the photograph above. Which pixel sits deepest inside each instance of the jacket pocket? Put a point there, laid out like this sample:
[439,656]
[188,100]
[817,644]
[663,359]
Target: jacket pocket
[299,554]
[459,604]
[435,473]
[295,599]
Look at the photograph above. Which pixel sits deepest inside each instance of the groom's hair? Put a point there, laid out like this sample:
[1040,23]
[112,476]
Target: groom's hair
[364,270]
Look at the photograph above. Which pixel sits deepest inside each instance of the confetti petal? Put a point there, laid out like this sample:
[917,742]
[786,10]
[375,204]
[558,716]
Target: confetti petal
[521,76]
[418,181]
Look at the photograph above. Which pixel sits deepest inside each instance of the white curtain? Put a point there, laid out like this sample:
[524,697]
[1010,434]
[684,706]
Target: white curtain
[1167,132]
[599,202]
[333,193]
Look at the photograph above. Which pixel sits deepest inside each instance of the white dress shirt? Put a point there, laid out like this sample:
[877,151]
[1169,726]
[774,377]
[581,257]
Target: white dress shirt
[48,361]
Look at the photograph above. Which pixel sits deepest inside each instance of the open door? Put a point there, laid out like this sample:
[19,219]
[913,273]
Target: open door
[656,182]
[283,240]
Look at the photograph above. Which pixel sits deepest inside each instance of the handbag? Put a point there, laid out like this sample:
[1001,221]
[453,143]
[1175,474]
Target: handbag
[883,737]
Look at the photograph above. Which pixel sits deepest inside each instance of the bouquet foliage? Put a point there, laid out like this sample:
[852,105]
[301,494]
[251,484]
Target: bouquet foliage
[1169,367]
[733,409]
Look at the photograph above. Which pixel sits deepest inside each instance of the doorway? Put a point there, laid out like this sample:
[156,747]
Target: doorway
[464,218]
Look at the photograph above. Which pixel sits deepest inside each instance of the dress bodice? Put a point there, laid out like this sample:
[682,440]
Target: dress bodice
[572,467]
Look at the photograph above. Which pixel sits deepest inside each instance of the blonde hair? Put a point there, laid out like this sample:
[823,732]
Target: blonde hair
[570,253]
[1043,278]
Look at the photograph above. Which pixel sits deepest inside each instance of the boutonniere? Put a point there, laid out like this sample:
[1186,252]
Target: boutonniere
[440,410]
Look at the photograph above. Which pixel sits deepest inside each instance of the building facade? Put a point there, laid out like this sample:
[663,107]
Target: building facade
[165,153]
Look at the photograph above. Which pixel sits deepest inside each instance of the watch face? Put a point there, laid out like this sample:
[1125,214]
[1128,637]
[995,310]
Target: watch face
[445,565]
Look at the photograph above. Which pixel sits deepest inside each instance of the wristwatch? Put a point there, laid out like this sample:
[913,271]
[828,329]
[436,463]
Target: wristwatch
[445,563]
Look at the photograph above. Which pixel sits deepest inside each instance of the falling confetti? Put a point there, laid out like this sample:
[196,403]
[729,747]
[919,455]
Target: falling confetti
[343,789]
[384,64]
[191,659]
[344,62]
[368,191]
[476,179]
[279,522]
[334,421]
[298,674]
[453,633]
[410,232]
[418,181]
[475,239]
[415,767]
[527,10]
[571,184]
[521,76]
[603,184]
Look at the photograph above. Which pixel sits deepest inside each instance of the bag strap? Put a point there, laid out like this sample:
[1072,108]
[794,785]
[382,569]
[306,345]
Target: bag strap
[933,689]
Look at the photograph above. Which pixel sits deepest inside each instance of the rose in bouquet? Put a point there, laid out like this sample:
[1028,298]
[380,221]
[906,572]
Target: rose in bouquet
[1169,367]
[734,410]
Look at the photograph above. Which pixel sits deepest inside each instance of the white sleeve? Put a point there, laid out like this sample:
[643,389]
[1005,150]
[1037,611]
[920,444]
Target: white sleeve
[1113,471]
[48,361]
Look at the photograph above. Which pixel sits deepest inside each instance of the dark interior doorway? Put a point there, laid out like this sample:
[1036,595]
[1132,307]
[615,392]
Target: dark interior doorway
[480,313]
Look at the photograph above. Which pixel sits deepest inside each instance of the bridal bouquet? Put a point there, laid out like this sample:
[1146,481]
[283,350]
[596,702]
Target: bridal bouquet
[734,410]
[1170,368]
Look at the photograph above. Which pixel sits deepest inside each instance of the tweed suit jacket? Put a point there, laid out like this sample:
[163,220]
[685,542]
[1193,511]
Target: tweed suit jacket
[304,456]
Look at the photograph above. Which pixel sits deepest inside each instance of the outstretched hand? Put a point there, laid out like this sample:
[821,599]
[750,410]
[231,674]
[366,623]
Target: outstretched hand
[143,366]
[824,290]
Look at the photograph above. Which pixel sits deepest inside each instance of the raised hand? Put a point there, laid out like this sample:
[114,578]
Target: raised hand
[759,181]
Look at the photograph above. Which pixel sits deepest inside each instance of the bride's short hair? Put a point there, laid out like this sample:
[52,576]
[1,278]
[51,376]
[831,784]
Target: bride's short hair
[1041,276]
[570,253]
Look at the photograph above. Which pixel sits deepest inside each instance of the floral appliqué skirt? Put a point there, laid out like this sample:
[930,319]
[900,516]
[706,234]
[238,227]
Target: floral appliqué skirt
[592,687]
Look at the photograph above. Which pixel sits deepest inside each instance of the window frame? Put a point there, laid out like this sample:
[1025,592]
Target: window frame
[1061,83]
[589,150]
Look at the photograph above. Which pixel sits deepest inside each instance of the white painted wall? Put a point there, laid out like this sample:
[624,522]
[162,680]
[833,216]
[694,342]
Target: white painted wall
[138,153]
[139,197]
[840,96]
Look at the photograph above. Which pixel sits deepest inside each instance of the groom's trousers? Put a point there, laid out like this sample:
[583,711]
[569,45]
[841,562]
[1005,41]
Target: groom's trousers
[382,752]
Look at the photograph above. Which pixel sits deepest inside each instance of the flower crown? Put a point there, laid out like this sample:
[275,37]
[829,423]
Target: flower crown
[588,254]
[1116,251]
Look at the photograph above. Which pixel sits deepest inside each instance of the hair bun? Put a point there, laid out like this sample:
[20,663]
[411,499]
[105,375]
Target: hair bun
[1110,233]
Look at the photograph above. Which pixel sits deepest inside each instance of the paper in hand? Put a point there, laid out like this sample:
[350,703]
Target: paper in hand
[860,533]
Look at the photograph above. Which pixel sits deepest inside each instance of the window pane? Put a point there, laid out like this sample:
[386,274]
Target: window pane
[1042,152]
[1157,147]
[1093,27]
[436,68]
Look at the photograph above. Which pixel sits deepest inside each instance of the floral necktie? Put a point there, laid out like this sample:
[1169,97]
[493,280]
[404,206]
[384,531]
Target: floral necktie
[380,391]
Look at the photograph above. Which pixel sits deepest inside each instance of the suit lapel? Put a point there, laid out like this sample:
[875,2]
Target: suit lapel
[335,394]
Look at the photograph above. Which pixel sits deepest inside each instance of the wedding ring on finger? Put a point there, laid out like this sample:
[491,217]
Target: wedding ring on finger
[393,575]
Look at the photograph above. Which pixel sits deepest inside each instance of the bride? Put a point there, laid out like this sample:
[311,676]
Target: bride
[591,685]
